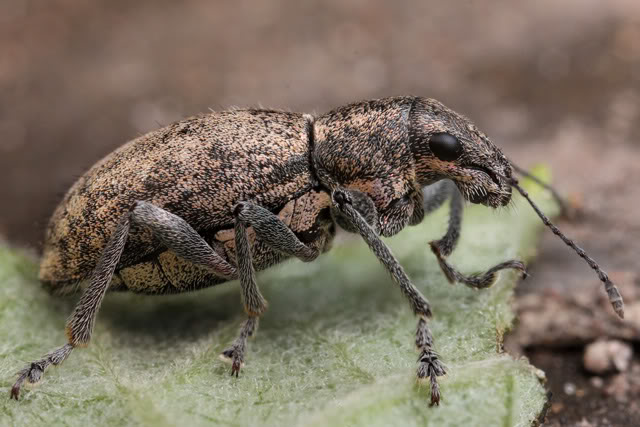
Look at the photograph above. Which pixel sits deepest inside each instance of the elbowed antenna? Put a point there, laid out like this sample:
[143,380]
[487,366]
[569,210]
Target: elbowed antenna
[612,291]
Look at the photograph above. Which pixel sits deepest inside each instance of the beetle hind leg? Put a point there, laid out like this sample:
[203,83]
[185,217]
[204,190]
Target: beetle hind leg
[172,230]
[80,324]
[33,373]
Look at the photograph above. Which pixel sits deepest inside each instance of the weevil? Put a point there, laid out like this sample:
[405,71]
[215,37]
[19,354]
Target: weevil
[217,197]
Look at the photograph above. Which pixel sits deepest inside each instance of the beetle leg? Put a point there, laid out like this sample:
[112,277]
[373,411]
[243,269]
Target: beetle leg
[33,373]
[363,204]
[436,197]
[254,302]
[235,353]
[478,280]
[173,231]
[177,235]
[443,247]
[429,364]
[272,231]
[80,324]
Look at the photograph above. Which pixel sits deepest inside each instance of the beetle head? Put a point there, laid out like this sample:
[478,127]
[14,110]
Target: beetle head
[446,144]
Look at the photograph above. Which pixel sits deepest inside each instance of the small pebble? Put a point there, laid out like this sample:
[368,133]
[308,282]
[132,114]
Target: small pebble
[607,355]
[569,388]
[541,375]
[597,382]
[618,387]
[584,423]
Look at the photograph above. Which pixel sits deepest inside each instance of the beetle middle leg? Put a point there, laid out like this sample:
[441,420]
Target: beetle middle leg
[442,248]
[271,230]
[430,365]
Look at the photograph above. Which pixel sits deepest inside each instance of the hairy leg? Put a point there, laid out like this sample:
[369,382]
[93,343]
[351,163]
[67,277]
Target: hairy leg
[80,324]
[178,236]
[235,353]
[33,373]
[446,190]
[429,364]
[173,231]
[271,230]
[443,247]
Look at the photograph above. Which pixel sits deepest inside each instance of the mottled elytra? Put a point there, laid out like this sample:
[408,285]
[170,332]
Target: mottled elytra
[216,197]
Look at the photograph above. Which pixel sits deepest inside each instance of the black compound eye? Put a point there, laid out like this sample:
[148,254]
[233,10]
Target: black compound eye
[445,146]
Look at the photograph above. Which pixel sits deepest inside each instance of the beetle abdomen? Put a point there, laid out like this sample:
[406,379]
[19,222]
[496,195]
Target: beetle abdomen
[197,169]
[164,274]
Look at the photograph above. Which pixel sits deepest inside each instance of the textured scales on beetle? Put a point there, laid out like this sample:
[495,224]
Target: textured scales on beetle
[219,196]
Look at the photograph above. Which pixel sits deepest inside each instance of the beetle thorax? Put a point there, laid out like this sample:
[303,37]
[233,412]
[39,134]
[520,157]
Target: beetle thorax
[364,147]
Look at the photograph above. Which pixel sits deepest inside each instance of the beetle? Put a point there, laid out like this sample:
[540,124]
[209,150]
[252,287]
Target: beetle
[220,196]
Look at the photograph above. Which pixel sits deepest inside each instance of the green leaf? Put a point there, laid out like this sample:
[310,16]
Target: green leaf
[334,348]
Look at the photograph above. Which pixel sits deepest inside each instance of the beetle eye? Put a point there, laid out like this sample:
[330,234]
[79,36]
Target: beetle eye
[445,146]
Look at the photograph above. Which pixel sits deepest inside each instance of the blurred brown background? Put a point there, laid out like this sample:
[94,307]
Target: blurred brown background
[554,82]
[79,78]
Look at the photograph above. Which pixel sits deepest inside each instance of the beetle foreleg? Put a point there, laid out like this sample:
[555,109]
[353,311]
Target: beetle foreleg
[443,247]
[430,366]
[363,204]
[480,280]
[446,190]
